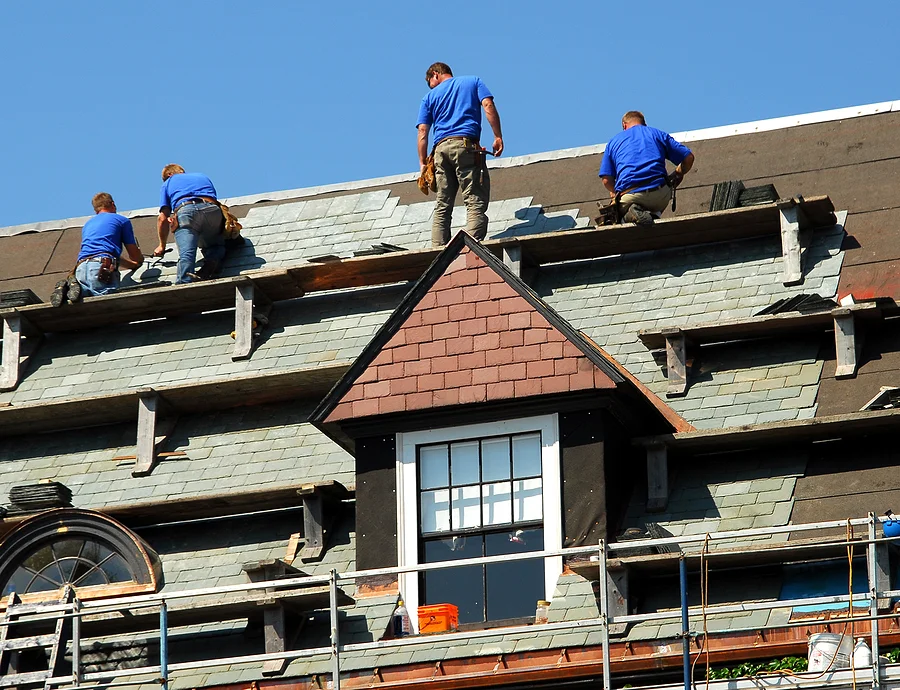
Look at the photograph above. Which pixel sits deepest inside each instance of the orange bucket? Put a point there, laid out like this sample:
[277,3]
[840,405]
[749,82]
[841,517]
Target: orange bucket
[438,618]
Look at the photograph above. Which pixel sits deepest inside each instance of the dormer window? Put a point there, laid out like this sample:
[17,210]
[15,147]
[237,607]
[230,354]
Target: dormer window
[481,490]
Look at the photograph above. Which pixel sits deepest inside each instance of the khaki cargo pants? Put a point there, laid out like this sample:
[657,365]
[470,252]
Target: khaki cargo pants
[655,200]
[460,165]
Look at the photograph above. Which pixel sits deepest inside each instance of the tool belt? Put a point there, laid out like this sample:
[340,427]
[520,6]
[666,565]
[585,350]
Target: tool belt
[194,200]
[108,266]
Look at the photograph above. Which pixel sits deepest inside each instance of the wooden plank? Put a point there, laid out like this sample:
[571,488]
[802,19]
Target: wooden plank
[274,639]
[679,231]
[777,433]
[313,527]
[791,219]
[146,434]
[657,478]
[769,325]
[12,344]
[198,396]
[676,363]
[243,320]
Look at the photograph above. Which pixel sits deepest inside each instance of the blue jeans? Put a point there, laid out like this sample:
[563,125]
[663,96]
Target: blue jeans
[199,225]
[86,274]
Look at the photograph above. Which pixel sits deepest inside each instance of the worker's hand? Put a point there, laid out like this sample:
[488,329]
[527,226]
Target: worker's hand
[498,146]
[422,167]
[160,250]
[675,179]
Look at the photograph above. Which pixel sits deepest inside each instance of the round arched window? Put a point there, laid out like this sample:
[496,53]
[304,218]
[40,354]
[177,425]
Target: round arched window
[89,551]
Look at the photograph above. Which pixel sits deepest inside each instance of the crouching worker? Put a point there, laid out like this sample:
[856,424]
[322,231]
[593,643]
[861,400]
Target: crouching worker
[100,257]
[189,207]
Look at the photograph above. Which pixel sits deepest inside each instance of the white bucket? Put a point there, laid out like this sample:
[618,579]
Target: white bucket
[823,647]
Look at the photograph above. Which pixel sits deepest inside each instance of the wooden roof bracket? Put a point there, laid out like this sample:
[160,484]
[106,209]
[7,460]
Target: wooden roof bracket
[519,262]
[676,362]
[657,477]
[14,327]
[793,220]
[318,515]
[848,338]
[273,612]
[251,313]
[150,433]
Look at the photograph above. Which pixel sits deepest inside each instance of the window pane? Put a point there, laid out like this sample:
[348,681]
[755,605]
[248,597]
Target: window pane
[527,456]
[463,587]
[436,511]
[466,511]
[495,459]
[513,589]
[497,503]
[433,467]
[528,500]
[464,463]
[116,569]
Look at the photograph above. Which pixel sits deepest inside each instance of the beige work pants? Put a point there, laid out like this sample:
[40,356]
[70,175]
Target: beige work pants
[656,200]
[459,165]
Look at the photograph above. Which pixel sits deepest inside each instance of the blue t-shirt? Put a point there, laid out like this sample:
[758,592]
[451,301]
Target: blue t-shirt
[453,108]
[636,157]
[105,233]
[184,186]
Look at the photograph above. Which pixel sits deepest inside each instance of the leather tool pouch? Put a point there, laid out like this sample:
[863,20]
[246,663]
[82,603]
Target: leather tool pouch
[106,270]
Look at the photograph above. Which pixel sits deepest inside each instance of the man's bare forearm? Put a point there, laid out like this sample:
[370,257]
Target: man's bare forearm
[493,118]
[422,144]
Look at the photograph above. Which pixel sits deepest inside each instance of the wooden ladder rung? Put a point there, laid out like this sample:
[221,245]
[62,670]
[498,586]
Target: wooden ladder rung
[28,642]
[23,678]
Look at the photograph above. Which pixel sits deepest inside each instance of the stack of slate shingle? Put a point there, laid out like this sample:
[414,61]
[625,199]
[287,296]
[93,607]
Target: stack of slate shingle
[27,498]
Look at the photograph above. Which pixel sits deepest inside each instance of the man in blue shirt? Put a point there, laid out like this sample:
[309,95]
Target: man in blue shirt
[188,205]
[452,109]
[102,239]
[634,168]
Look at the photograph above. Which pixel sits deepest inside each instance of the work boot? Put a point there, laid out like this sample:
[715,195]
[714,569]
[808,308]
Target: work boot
[60,292]
[208,269]
[74,289]
[638,215]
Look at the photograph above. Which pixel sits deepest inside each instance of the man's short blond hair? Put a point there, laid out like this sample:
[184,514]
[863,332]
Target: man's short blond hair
[634,116]
[171,169]
[101,201]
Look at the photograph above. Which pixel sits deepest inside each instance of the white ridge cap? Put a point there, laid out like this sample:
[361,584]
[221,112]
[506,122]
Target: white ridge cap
[514,161]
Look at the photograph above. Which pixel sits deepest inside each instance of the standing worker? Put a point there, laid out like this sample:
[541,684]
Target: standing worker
[634,169]
[198,222]
[453,109]
[102,239]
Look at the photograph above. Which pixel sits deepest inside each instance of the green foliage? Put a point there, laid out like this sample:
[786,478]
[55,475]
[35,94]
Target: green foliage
[793,664]
[893,655]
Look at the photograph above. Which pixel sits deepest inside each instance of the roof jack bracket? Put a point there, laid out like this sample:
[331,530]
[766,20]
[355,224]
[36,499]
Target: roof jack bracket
[251,315]
[150,433]
[793,220]
[847,342]
[676,362]
[11,365]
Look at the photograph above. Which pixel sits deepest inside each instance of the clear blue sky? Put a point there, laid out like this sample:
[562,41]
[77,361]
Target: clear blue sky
[265,96]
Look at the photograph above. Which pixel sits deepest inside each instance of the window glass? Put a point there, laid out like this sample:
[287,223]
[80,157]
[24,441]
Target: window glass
[463,587]
[513,588]
[433,467]
[436,511]
[495,459]
[466,511]
[528,500]
[464,462]
[497,503]
[527,455]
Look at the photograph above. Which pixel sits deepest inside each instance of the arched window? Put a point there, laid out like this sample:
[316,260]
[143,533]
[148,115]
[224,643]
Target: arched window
[93,553]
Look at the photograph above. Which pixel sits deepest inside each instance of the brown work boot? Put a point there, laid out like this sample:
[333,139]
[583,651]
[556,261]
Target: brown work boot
[638,215]
[60,293]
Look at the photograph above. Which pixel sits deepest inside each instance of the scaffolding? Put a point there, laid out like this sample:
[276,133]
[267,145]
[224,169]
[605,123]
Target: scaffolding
[599,556]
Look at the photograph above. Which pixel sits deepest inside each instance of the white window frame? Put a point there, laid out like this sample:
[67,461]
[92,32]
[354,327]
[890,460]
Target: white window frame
[408,494]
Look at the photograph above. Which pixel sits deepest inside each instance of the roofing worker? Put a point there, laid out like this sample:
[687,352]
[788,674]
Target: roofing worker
[188,204]
[453,110]
[634,169]
[102,240]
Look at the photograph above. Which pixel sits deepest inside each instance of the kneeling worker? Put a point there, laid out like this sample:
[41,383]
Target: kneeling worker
[198,222]
[634,169]
[102,240]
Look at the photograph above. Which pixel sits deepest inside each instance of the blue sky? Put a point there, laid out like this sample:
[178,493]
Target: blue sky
[266,96]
